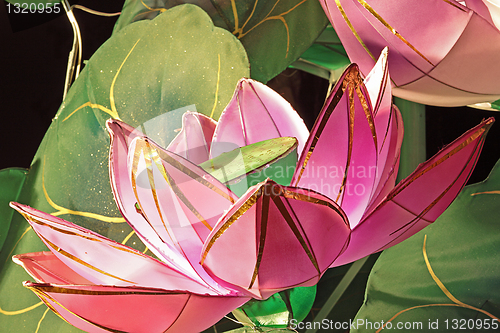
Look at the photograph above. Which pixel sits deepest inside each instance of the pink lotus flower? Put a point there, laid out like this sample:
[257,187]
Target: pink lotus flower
[442,52]
[216,250]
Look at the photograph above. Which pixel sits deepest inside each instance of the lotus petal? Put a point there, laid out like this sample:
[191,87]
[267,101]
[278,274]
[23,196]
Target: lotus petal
[388,127]
[419,199]
[480,7]
[275,237]
[45,267]
[163,196]
[101,260]
[172,194]
[493,7]
[437,47]
[122,136]
[347,172]
[134,309]
[388,157]
[194,140]
[256,113]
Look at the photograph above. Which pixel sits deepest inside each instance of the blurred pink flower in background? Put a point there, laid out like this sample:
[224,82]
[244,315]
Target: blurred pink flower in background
[442,52]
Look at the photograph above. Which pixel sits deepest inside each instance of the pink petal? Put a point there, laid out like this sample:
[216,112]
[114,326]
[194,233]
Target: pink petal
[493,8]
[164,198]
[378,86]
[178,199]
[122,136]
[390,153]
[419,199]
[134,309]
[388,126]
[340,156]
[101,260]
[256,113]
[436,47]
[276,237]
[480,7]
[194,140]
[45,267]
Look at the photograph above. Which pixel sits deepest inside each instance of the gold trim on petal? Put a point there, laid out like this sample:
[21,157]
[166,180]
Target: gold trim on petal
[388,26]
[464,144]
[47,298]
[262,239]
[291,223]
[352,116]
[352,76]
[233,218]
[355,33]
[72,233]
[49,288]
[369,116]
[80,261]
[454,5]
[302,197]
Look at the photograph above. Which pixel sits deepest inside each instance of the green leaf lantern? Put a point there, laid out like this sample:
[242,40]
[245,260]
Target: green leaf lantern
[274,33]
[279,309]
[325,58]
[11,180]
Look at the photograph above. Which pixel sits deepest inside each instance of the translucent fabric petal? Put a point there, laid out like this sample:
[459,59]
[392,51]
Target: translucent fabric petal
[195,137]
[388,127]
[180,201]
[256,113]
[122,136]
[45,267]
[164,198]
[134,309]
[494,11]
[389,153]
[436,47]
[274,238]
[101,260]
[340,157]
[479,6]
[419,199]
[378,86]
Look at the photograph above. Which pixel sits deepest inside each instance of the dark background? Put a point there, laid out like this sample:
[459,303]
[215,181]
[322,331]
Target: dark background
[34,52]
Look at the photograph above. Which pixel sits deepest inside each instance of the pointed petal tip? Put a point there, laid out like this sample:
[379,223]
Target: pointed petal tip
[21,208]
[14,205]
[114,125]
[488,122]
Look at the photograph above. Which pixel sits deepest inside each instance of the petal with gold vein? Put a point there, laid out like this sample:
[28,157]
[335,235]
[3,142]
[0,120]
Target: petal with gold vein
[418,199]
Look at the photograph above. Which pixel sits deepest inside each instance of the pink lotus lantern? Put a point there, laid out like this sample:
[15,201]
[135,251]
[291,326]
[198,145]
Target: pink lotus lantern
[437,47]
[215,249]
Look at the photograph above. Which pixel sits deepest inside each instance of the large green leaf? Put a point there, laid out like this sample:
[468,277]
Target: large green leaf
[148,74]
[275,33]
[11,183]
[325,58]
[279,309]
[447,276]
